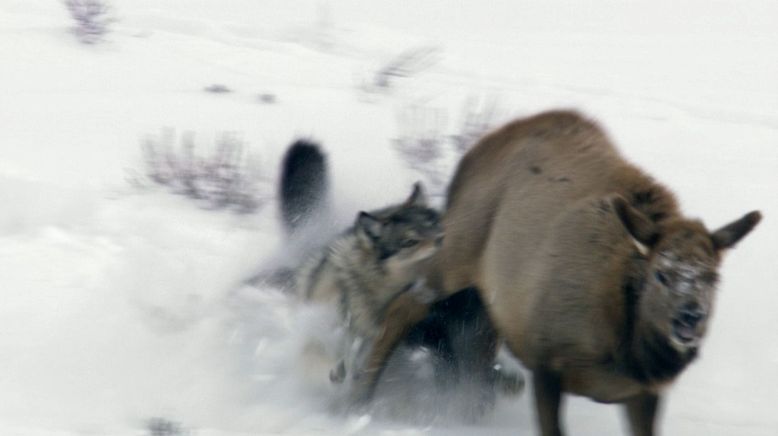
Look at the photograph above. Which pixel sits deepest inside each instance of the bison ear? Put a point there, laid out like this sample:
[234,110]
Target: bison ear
[637,224]
[418,196]
[729,235]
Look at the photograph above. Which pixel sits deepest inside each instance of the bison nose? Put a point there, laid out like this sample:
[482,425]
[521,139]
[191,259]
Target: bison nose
[691,314]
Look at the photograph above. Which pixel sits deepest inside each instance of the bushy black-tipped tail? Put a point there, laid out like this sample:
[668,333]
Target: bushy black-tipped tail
[304,183]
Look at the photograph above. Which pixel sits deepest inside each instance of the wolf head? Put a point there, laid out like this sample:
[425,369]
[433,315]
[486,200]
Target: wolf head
[404,235]
[681,272]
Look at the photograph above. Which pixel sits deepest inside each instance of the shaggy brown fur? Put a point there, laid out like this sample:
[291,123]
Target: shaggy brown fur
[588,270]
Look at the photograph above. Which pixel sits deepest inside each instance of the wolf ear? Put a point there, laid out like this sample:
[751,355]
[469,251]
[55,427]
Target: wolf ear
[418,196]
[729,235]
[637,224]
[369,224]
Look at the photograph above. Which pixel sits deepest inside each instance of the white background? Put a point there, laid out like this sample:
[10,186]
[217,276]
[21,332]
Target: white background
[119,304]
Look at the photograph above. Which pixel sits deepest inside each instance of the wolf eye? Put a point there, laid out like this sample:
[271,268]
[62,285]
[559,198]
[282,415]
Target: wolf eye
[662,278]
[407,243]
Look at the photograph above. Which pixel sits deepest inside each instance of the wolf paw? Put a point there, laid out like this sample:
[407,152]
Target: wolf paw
[509,382]
[338,374]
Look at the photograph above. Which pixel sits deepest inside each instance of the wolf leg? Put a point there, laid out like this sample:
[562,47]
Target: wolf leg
[402,314]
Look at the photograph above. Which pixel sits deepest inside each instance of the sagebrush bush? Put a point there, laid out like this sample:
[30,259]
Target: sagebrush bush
[421,142]
[227,178]
[164,427]
[478,116]
[406,64]
[429,146]
[217,88]
[93,19]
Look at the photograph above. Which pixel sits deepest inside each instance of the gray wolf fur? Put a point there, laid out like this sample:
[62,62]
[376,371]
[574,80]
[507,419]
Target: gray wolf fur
[587,267]
[303,206]
[383,255]
[304,184]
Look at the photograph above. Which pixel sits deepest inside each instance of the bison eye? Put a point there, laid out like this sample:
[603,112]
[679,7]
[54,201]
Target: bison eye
[662,278]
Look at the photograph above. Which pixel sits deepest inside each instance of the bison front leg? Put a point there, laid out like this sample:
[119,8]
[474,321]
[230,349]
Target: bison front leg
[641,413]
[402,314]
[547,387]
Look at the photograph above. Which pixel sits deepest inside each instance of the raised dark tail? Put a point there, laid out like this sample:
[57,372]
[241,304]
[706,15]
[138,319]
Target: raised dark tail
[304,183]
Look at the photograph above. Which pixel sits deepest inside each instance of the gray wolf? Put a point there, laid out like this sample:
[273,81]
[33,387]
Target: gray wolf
[588,269]
[371,274]
[384,254]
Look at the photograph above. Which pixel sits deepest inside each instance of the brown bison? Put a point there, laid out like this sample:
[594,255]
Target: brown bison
[589,272]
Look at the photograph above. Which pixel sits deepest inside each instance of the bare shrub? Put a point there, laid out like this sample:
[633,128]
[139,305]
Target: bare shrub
[430,146]
[93,19]
[478,116]
[406,64]
[164,427]
[217,88]
[227,178]
[267,98]
[421,142]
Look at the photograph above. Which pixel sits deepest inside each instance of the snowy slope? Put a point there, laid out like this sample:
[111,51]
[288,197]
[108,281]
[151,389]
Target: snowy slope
[120,304]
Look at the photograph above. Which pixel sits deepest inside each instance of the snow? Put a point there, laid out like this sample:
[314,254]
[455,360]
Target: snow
[121,304]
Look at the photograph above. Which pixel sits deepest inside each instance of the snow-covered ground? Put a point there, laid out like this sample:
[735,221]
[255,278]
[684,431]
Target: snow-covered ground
[120,304]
